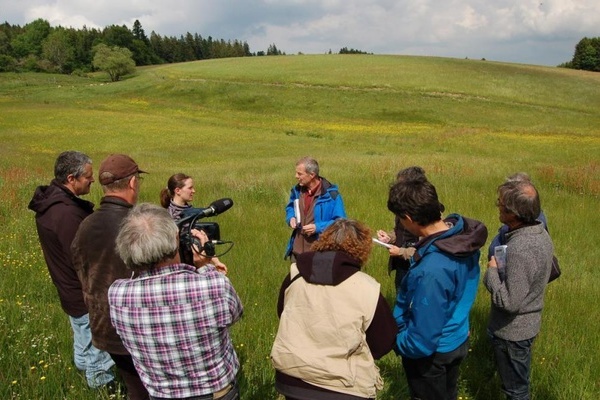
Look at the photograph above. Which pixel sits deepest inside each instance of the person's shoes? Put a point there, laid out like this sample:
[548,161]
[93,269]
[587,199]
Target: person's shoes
[113,389]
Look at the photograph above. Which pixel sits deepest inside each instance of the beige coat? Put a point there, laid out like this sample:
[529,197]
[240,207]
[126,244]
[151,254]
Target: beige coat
[321,337]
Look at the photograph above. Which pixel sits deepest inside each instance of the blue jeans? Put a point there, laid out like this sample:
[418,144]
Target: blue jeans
[513,360]
[96,363]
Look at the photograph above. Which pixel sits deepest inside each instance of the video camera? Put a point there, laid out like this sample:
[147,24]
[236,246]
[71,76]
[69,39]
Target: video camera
[189,220]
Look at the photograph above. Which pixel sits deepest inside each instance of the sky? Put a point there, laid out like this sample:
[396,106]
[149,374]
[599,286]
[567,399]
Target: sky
[539,32]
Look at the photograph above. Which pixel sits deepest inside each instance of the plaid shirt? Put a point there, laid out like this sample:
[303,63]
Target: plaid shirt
[174,321]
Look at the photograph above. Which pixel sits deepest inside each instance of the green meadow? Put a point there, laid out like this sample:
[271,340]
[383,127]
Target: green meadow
[237,126]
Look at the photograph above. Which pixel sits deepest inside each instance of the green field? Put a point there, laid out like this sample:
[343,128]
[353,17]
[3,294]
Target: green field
[238,126]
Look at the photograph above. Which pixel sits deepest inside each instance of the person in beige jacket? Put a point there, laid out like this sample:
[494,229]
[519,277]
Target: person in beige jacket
[334,322]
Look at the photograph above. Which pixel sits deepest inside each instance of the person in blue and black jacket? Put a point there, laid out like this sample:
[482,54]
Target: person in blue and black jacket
[435,298]
[313,205]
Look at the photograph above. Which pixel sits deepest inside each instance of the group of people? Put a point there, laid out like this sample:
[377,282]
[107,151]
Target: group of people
[133,304]
[334,322]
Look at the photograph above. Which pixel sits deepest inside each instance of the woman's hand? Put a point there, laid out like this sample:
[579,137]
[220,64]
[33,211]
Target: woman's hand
[222,268]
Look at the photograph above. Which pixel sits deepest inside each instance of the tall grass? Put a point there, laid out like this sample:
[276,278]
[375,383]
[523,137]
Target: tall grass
[237,126]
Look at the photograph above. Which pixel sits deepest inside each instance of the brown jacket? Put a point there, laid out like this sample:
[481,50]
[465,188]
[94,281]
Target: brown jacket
[98,266]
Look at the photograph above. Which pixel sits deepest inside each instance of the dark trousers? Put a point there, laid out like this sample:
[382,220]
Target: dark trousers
[133,383]
[233,394]
[400,274]
[435,377]
[513,360]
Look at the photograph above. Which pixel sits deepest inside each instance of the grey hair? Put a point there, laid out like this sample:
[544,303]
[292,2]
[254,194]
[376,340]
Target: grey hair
[520,198]
[519,177]
[147,236]
[117,185]
[70,163]
[310,165]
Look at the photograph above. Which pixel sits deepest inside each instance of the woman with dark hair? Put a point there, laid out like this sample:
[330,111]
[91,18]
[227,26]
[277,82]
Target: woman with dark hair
[334,322]
[178,194]
[177,197]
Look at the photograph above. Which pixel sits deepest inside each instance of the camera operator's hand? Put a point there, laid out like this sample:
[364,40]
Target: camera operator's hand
[200,258]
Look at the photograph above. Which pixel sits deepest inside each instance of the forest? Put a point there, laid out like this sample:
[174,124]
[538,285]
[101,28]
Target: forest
[39,47]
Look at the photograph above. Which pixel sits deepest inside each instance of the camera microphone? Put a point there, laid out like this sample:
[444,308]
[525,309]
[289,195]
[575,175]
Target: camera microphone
[215,208]
[218,207]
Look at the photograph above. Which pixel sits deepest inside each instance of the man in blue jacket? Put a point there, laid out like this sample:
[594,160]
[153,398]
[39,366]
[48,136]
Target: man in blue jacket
[314,204]
[435,298]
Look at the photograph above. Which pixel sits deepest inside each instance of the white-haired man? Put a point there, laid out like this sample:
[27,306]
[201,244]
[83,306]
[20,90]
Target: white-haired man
[174,318]
[517,295]
[313,205]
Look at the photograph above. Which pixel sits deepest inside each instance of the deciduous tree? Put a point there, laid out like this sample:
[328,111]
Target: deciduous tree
[58,50]
[30,41]
[116,61]
[587,55]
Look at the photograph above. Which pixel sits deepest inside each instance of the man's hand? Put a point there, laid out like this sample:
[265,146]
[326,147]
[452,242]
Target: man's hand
[492,263]
[293,223]
[309,229]
[200,258]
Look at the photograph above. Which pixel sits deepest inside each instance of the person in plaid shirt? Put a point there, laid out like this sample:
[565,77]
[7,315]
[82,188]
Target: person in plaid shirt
[173,318]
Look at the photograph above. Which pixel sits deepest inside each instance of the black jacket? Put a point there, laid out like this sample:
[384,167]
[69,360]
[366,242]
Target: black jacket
[58,213]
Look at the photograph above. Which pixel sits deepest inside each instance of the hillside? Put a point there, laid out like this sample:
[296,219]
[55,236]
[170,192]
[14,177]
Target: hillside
[238,126]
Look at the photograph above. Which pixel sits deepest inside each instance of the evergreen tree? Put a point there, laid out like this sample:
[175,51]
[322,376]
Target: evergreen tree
[119,36]
[138,32]
[273,50]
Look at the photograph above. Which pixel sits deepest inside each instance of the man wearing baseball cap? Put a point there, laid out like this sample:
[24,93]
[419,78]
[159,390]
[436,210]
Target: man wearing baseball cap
[98,265]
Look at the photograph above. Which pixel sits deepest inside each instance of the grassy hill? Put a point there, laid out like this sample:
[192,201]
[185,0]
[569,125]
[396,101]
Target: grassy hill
[238,126]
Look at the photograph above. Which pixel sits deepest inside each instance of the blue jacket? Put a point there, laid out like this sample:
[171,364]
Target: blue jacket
[435,298]
[329,206]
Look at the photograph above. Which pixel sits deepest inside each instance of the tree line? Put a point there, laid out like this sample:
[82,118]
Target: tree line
[586,56]
[39,47]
